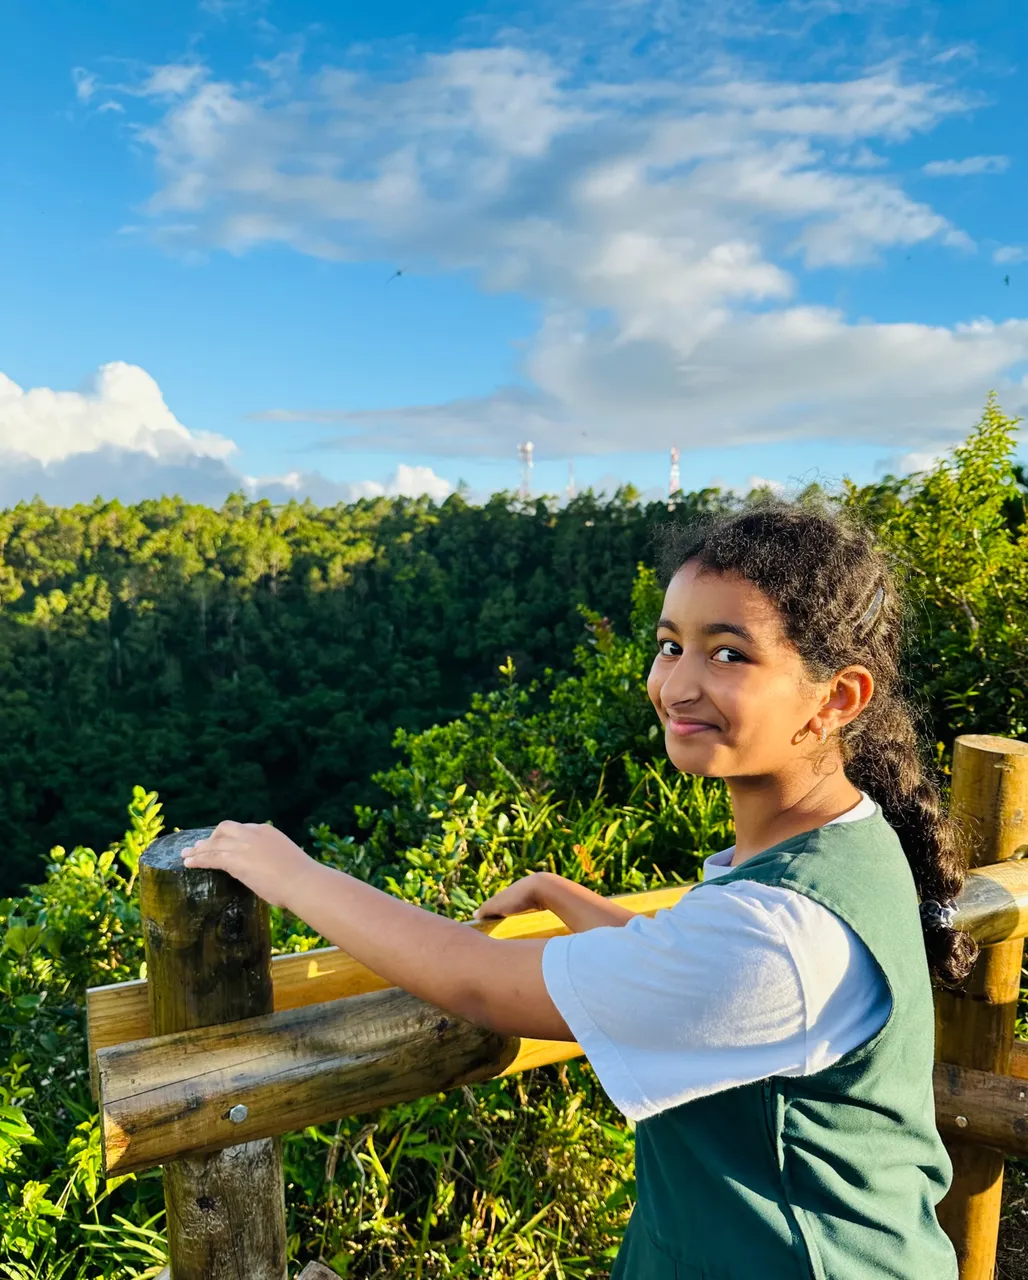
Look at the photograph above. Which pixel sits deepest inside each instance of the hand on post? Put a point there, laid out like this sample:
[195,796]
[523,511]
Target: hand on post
[260,856]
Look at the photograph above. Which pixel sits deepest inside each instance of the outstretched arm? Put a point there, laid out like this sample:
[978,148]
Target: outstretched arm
[494,982]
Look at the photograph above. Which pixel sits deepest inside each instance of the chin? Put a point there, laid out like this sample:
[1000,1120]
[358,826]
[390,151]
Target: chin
[697,758]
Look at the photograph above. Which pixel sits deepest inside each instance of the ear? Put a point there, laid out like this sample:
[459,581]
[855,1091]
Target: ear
[849,692]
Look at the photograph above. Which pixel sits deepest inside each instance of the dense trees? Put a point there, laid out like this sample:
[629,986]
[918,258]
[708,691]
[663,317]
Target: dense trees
[257,661]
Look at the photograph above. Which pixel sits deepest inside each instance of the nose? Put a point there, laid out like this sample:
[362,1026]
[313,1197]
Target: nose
[681,685]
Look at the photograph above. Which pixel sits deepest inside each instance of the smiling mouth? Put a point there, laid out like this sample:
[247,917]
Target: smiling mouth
[686,728]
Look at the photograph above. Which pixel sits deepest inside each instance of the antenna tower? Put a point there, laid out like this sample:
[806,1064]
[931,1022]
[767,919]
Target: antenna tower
[571,480]
[674,480]
[525,454]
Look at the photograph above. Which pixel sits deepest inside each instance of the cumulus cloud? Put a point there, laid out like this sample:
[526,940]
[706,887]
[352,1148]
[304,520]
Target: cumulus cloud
[118,438]
[406,482]
[1008,253]
[122,408]
[969,165]
[665,225]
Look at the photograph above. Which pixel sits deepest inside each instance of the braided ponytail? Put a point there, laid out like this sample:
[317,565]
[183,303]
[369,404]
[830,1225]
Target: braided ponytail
[884,760]
[840,606]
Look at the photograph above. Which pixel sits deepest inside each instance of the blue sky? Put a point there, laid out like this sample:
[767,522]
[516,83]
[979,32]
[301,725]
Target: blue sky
[787,237]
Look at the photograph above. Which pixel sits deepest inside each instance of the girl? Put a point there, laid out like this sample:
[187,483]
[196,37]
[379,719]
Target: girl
[772,1034]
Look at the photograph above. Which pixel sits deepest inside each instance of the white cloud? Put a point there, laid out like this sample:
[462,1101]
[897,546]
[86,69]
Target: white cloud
[85,83]
[664,225]
[796,373]
[409,482]
[969,165]
[172,80]
[123,408]
[406,482]
[1008,253]
[905,464]
[118,438]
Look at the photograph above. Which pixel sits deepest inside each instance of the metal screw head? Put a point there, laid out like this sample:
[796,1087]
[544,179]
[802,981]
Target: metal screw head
[239,1113]
[961,1121]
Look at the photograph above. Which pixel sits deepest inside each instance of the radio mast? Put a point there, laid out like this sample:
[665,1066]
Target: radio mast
[525,454]
[571,480]
[674,480]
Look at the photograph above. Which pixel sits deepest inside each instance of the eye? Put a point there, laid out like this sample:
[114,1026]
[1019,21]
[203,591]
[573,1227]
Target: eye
[669,648]
[733,655]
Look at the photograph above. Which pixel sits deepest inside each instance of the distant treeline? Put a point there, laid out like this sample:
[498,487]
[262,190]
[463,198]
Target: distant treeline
[256,661]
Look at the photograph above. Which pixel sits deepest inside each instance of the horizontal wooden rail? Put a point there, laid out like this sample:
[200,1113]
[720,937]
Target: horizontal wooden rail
[198,1091]
[313,1060]
[992,907]
[121,1011]
[979,1107]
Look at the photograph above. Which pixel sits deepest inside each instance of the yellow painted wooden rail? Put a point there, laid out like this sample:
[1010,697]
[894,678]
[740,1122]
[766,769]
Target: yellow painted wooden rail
[226,1047]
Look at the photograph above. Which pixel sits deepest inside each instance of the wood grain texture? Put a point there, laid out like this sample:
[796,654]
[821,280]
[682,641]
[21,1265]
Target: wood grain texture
[172,1095]
[978,1108]
[208,950]
[975,1028]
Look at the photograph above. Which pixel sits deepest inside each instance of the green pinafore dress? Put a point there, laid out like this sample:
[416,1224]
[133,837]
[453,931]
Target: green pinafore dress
[833,1176]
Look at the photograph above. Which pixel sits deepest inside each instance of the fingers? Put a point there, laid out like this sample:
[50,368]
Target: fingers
[216,848]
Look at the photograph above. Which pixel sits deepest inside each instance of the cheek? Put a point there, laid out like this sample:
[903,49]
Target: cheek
[654,684]
[766,709]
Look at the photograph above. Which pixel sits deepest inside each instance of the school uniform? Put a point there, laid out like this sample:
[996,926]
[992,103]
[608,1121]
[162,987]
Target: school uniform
[772,1035]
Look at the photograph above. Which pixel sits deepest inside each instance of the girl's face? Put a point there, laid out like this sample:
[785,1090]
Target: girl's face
[729,687]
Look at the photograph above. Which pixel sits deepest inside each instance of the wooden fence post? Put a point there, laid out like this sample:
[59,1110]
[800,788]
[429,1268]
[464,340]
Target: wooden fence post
[976,1028]
[208,958]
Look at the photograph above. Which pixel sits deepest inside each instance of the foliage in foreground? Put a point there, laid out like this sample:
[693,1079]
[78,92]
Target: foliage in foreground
[517,1178]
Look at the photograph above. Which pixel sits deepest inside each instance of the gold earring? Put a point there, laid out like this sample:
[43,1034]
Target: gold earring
[822,737]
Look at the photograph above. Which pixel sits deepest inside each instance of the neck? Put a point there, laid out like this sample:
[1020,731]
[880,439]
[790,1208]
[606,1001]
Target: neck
[776,807]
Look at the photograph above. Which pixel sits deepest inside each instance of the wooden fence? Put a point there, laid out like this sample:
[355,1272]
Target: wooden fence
[224,1047]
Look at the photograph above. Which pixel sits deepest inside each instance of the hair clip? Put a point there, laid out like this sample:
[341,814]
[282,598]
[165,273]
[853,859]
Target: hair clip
[938,915]
[871,611]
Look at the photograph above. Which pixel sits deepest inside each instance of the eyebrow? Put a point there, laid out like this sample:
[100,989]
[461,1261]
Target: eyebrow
[711,629]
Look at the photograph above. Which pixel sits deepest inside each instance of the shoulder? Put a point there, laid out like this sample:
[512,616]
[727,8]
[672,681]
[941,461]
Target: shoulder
[836,851]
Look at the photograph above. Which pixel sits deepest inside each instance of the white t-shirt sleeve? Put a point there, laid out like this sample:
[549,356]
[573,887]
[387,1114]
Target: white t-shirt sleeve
[733,984]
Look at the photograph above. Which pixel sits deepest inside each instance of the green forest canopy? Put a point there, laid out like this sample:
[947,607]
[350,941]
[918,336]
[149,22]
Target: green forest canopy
[257,660]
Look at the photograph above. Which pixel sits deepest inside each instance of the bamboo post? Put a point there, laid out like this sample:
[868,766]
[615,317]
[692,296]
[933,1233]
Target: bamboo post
[976,1028]
[208,959]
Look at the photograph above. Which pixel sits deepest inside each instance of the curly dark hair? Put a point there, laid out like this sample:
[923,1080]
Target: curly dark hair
[824,573]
